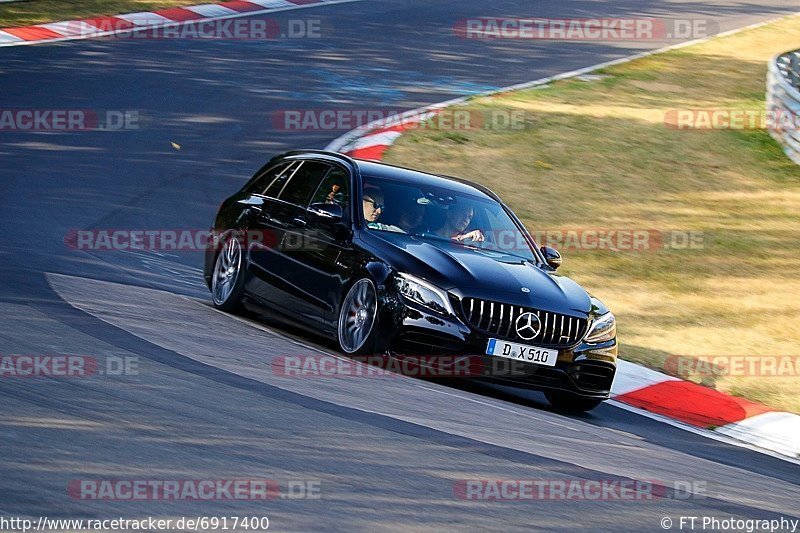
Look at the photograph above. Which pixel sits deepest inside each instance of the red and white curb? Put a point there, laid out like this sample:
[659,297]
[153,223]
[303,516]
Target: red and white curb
[125,23]
[372,140]
[701,407]
[681,403]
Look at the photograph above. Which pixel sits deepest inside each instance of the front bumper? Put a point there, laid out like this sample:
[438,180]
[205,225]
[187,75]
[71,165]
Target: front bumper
[586,370]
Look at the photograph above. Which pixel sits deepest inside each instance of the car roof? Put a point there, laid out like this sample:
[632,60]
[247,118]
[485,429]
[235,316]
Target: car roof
[384,170]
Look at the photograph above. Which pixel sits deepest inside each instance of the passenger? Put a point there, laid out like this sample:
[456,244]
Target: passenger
[456,223]
[413,215]
[335,196]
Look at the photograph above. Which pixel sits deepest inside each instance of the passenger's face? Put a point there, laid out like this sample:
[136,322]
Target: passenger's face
[413,217]
[460,217]
[373,207]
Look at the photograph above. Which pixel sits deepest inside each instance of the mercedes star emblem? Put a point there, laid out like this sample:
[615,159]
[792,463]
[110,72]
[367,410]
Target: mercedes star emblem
[528,326]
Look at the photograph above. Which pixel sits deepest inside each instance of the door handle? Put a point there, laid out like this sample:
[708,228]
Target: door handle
[269,219]
[299,221]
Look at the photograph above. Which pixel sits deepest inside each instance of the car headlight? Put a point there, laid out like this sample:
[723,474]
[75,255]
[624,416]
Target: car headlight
[424,293]
[603,329]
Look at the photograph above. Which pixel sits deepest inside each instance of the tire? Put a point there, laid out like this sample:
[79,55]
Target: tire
[571,403]
[228,277]
[358,318]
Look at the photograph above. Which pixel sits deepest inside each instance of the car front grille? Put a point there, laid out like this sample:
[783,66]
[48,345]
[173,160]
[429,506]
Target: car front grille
[498,319]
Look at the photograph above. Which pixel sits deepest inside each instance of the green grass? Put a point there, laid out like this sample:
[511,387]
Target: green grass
[598,154]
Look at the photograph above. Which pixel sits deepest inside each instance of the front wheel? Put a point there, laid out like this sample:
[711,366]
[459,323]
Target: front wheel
[570,403]
[227,280]
[358,318]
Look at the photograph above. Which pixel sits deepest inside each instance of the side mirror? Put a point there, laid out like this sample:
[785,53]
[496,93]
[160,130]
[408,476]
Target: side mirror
[329,212]
[551,256]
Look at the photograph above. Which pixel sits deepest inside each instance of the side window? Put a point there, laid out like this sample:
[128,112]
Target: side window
[334,189]
[261,182]
[275,187]
[303,182]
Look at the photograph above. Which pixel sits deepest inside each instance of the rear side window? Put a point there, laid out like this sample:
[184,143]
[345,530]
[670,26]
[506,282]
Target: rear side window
[303,182]
[334,189]
[275,187]
[260,183]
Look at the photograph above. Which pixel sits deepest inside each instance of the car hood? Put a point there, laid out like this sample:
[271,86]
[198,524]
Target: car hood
[473,272]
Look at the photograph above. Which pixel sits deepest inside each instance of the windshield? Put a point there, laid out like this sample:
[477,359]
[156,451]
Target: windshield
[442,214]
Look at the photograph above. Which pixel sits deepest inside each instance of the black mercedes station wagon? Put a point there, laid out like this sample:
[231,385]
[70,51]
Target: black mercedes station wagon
[393,261]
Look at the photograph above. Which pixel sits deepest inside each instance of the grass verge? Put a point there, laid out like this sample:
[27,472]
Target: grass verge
[598,154]
[29,12]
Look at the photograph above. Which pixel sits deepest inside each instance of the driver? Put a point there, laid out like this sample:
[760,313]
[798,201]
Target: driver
[455,226]
[372,200]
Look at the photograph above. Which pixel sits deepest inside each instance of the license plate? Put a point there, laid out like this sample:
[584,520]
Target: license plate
[522,352]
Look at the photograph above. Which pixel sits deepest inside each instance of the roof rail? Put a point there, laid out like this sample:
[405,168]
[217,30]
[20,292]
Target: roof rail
[328,153]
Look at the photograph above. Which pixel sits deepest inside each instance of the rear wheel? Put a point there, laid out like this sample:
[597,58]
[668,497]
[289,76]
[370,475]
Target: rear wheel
[358,318]
[571,403]
[227,280]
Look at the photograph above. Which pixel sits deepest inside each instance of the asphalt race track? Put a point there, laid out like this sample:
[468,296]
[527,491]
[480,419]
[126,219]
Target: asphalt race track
[385,452]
